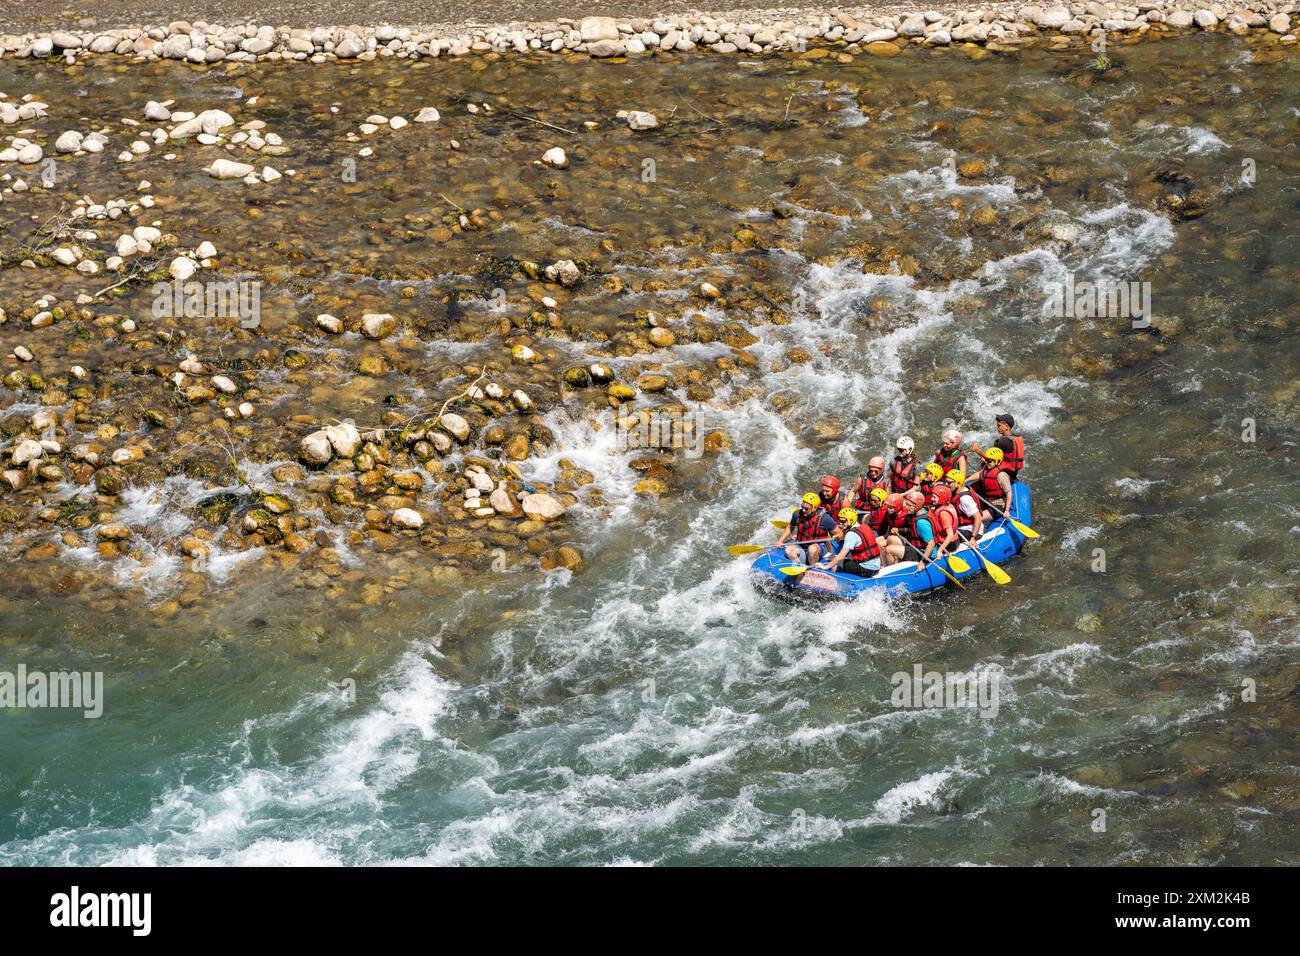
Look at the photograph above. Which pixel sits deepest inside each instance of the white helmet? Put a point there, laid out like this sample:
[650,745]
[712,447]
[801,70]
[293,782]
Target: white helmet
[952,435]
[905,444]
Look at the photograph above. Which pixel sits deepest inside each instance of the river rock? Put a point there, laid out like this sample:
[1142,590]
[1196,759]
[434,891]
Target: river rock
[639,120]
[68,142]
[228,169]
[455,426]
[407,518]
[182,268]
[428,115]
[27,450]
[555,157]
[316,448]
[343,438]
[378,325]
[598,28]
[542,507]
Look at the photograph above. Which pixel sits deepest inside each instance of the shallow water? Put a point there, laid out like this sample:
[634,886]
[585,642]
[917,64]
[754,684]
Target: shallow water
[653,708]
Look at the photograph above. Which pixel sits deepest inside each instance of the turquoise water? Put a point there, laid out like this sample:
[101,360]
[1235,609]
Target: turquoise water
[653,708]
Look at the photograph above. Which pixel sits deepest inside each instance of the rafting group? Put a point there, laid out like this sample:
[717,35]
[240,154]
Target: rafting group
[908,511]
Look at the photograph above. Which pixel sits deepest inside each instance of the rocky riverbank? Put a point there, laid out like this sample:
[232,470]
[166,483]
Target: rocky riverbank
[850,31]
[396,326]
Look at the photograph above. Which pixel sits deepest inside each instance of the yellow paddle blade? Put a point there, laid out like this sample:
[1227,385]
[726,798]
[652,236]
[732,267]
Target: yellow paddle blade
[957,564]
[996,573]
[1024,529]
[796,569]
[739,549]
[781,524]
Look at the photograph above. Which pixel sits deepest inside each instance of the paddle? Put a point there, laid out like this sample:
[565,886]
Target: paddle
[996,573]
[1024,529]
[780,524]
[945,573]
[739,549]
[957,564]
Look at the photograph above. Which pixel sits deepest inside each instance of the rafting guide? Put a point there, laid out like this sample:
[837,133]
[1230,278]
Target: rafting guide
[934,690]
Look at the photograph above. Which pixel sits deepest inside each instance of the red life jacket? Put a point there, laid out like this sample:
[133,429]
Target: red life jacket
[927,486]
[806,526]
[962,520]
[862,497]
[900,476]
[876,519]
[900,519]
[942,520]
[909,529]
[869,547]
[989,486]
[951,461]
[833,508]
[1014,460]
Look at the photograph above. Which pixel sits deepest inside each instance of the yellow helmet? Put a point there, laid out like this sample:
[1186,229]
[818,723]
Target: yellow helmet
[848,515]
[812,499]
[934,471]
[994,455]
[956,477]
[878,496]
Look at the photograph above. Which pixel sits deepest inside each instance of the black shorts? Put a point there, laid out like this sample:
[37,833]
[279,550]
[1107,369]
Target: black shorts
[849,566]
[910,552]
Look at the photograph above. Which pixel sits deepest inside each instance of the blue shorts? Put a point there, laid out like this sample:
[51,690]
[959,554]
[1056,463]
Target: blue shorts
[802,551]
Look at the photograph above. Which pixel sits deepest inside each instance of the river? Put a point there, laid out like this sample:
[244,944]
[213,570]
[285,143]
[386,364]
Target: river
[652,707]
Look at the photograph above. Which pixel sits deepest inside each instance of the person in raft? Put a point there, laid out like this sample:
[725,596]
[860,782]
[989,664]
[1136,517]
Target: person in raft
[866,484]
[832,501]
[943,521]
[811,528]
[970,520]
[1013,446]
[861,552]
[918,529]
[950,457]
[993,484]
[902,471]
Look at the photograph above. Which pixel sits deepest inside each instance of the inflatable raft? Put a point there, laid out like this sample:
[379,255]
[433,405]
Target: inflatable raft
[998,542]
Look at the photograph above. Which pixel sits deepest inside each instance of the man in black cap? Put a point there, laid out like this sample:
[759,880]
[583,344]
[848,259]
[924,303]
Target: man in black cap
[1013,446]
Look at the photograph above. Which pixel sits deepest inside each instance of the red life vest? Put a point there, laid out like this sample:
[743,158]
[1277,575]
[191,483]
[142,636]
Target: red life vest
[876,519]
[989,486]
[862,497]
[806,526]
[910,532]
[868,548]
[900,475]
[927,486]
[962,520]
[834,507]
[1014,460]
[951,461]
[943,520]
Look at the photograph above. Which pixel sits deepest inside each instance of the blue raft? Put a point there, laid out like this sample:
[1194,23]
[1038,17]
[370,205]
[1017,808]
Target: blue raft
[999,542]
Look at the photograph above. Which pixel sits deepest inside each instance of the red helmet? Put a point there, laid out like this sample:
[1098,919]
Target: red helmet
[915,497]
[833,482]
[941,495]
[894,502]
